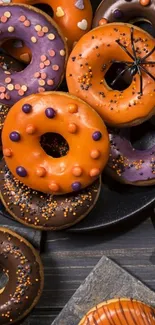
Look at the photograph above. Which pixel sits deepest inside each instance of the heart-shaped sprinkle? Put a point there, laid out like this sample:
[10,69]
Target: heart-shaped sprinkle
[83,24]
[59,12]
[79,4]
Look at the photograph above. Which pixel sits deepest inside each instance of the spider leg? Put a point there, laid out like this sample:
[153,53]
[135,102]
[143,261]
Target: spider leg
[148,62]
[125,50]
[119,75]
[147,72]
[125,62]
[141,81]
[148,54]
[132,44]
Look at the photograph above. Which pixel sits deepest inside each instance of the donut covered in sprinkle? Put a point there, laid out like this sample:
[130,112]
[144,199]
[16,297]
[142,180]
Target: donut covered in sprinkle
[21,263]
[94,55]
[68,116]
[48,47]
[127,164]
[74,17]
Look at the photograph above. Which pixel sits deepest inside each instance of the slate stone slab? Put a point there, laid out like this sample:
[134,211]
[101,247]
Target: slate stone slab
[32,235]
[106,281]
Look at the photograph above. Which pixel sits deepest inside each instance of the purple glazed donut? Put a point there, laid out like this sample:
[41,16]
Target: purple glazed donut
[129,165]
[49,53]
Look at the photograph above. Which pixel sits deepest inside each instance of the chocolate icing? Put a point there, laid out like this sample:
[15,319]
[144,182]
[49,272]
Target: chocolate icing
[44,211]
[128,164]
[48,48]
[21,263]
[124,11]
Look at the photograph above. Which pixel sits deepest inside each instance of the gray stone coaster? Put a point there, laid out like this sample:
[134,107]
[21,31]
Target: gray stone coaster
[106,281]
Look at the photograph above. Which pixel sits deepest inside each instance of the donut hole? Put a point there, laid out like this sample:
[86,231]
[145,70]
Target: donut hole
[46,8]
[142,137]
[144,24]
[54,144]
[12,45]
[123,82]
[4,278]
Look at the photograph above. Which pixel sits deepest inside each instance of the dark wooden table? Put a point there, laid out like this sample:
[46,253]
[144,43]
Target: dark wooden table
[68,259]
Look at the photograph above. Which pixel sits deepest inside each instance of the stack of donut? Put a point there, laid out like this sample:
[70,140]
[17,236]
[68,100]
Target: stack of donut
[55,145]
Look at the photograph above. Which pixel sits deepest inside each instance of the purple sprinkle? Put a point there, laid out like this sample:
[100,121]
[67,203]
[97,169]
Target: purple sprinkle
[50,112]
[79,4]
[118,14]
[97,135]
[76,186]
[26,108]
[14,136]
[21,171]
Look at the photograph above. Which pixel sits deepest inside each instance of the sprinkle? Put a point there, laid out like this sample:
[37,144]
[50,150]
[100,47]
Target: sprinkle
[20,92]
[36,74]
[41,89]
[72,108]
[30,129]
[54,187]
[41,171]
[4,19]
[95,154]
[62,52]
[55,67]
[41,82]
[7,14]
[22,18]
[11,29]
[10,87]
[33,39]
[37,28]
[42,65]
[77,171]
[43,75]
[40,33]
[17,86]
[72,128]
[27,23]
[51,36]
[2,96]
[50,82]
[45,29]
[102,21]
[94,172]
[43,58]
[51,53]
[2,89]
[47,62]
[24,88]
[8,80]
[59,12]
[7,152]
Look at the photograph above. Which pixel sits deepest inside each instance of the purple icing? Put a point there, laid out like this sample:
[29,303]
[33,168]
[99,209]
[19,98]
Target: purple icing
[26,108]
[79,4]
[50,112]
[97,135]
[40,46]
[130,164]
[76,186]
[21,171]
[118,14]
[14,136]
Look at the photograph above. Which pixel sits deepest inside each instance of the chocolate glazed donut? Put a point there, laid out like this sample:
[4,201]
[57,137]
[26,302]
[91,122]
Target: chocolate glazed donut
[120,311]
[22,265]
[8,64]
[125,11]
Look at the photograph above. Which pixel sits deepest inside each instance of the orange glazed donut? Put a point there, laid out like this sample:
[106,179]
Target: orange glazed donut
[74,17]
[76,121]
[121,311]
[92,57]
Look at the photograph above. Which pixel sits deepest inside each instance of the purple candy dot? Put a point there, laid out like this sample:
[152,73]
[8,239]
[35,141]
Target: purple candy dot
[21,171]
[50,112]
[76,186]
[97,135]
[14,136]
[118,14]
[26,108]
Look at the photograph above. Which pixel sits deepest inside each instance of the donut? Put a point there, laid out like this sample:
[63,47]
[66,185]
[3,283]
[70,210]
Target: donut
[48,47]
[74,17]
[18,50]
[126,163]
[120,311]
[55,112]
[91,59]
[45,211]
[8,64]
[139,12]
[21,264]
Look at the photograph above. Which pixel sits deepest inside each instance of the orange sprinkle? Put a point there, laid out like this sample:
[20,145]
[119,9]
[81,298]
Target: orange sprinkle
[50,82]
[22,18]
[51,53]
[27,23]
[40,33]
[2,89]
[17,86]
[43,75]
[42,65]
[36,74]
[20,92]
[45,29]
[41,89]
[4,19]
[7,96]
[8,80]
[2,96]
[47,62]
[55,67]
[43,58]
